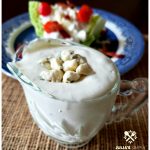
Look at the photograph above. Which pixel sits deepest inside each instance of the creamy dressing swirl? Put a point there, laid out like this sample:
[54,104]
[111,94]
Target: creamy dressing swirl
[95,85]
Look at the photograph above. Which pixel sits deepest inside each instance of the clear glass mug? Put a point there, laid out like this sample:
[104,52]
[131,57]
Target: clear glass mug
[71,123]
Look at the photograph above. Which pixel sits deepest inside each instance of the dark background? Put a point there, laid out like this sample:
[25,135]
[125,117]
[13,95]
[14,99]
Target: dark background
[136,11]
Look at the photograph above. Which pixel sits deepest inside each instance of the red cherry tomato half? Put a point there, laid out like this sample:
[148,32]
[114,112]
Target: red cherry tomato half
[84,14]
[44,9]
[52,26]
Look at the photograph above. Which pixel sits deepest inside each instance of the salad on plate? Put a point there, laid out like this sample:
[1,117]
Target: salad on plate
[65,21]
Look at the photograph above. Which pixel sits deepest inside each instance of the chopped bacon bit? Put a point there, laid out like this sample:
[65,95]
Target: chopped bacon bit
[111,54]
[67,17]
[64,34]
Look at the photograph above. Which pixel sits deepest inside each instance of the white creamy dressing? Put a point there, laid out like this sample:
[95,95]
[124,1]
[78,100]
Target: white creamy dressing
[76,117]
[90,87]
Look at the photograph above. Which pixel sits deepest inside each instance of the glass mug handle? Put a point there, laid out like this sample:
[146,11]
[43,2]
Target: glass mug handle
[132,95]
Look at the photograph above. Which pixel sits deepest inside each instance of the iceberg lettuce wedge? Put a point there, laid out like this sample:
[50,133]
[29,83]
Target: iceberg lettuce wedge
[94,27]
[35,18]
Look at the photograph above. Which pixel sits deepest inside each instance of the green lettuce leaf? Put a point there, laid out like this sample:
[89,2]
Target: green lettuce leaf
[95,26]
[34,18]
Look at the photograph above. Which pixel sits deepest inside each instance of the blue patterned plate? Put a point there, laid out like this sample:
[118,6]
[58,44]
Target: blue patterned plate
[129,40]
